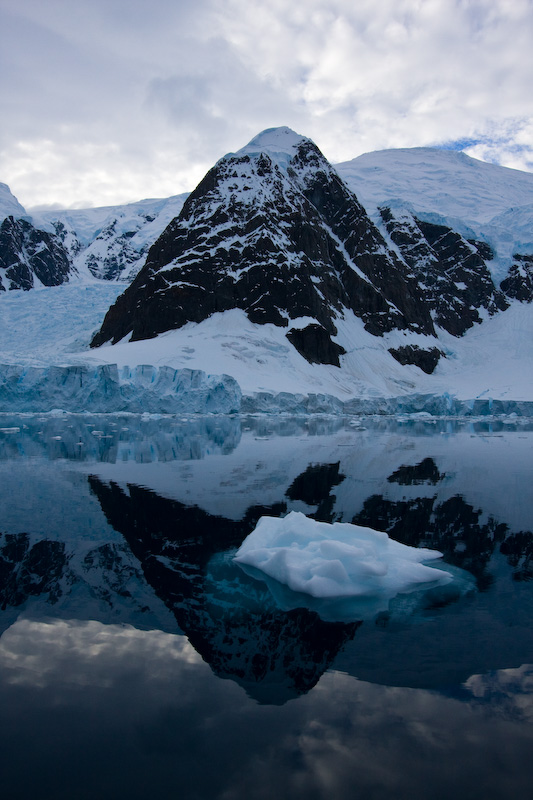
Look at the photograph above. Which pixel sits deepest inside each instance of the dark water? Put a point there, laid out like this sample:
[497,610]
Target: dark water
[136,660]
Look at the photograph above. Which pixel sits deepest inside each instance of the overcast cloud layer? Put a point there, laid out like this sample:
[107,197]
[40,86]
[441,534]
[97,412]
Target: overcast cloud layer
[107,101]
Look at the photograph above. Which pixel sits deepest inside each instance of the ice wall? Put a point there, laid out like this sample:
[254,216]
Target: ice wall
[106,388]
[165,390]
[444,405]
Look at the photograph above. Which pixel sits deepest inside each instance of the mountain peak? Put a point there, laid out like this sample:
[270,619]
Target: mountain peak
[280,144]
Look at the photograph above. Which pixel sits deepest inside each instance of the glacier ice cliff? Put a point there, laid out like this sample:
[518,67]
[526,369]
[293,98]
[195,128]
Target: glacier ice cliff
[108,388]
[164,390]
[435,405]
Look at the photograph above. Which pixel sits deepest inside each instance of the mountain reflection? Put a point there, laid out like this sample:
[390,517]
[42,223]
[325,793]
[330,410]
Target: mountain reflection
[425,472]
[314,488]
[148,542]
[454,527]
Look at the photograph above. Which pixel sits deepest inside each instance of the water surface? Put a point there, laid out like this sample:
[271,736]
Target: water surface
[137,660]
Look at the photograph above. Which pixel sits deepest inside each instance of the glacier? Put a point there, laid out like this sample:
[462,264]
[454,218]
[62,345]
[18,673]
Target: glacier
[46,363]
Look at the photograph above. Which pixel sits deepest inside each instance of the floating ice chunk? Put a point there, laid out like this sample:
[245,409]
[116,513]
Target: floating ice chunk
[337,562]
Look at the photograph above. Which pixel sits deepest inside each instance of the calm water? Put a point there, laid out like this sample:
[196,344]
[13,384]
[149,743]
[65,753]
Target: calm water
[136,660]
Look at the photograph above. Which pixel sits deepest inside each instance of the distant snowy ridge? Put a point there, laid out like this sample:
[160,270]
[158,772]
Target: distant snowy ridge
[9,205]
[112,242]
[52,247]
[447,182]
[476,199]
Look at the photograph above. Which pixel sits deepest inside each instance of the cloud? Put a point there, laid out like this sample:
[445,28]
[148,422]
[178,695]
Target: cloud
[110,101]
[405,73]
[508,142]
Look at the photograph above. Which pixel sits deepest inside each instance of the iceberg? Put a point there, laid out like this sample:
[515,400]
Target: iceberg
[339,569]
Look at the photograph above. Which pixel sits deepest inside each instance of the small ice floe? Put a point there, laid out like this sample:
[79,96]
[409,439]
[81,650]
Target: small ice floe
[341,570]
[9,430]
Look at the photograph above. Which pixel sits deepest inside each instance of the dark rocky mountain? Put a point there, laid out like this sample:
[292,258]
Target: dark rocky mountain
[273,230]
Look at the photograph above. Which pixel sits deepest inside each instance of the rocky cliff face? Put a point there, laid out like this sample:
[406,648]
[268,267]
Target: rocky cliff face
[53,246]
[519,282]
[28,254]
[274,231]
[451,272]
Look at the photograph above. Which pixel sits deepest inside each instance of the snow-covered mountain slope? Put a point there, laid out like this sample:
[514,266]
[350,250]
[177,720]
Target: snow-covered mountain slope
[488,370]
[478,200]
[9,205]
[445,182]
[112,242]
[492,361]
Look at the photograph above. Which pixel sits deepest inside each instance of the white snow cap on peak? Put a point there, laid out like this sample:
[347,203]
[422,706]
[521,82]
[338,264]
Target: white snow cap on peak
[279,143]
[9,205]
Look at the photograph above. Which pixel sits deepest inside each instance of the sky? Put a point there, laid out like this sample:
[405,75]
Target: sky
[111,101]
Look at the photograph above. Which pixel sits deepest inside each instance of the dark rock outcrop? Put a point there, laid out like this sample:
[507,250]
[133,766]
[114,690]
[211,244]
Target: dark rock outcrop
[519,282]
[27,253]
[427,360]
[425,472]
[314,343]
